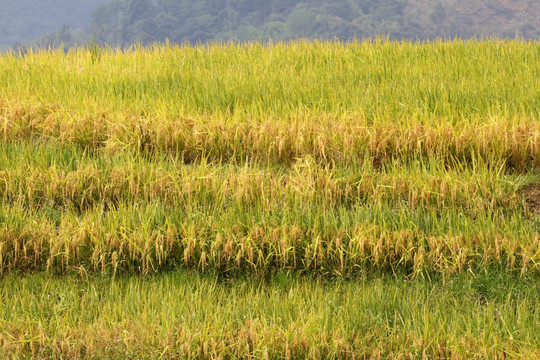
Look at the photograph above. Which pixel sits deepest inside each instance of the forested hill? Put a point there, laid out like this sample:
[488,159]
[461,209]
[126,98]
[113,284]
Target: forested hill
[24,20]
[123,22]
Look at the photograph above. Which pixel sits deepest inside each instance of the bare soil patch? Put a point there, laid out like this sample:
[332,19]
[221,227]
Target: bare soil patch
[532,197]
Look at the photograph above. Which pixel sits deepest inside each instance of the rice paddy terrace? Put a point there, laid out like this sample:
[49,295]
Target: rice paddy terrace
[309,199]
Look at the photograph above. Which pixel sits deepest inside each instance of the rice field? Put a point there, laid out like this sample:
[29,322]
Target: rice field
[338,164]
[193,316]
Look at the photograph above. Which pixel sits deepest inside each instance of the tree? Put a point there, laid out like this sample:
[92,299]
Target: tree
[122,22]
[302,22]
[64,35]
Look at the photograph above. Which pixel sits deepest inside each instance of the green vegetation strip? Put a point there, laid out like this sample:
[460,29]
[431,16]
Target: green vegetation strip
[183,315]
[377,81]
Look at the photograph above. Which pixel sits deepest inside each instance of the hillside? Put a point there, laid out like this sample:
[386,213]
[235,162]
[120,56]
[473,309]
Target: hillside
[124,22]
[24,20]
[489,17]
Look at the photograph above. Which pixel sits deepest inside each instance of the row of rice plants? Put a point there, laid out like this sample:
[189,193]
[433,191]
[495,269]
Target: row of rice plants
[329,140]
[34,176]
[180,315]
[374,80]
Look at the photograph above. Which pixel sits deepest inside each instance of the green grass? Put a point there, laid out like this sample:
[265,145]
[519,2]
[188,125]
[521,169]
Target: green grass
[208,170]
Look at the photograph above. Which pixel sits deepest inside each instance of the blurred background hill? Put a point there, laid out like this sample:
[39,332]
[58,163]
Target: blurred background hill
[124,22]
[24,20]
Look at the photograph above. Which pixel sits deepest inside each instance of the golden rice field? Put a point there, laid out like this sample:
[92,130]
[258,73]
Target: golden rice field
[232,165]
